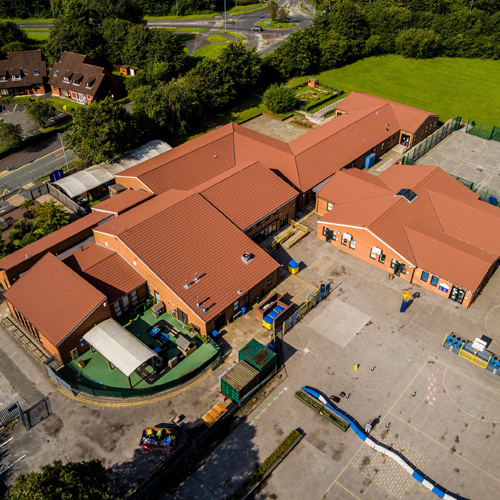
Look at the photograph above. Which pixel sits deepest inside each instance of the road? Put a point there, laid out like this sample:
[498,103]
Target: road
[12,180]
[241,23]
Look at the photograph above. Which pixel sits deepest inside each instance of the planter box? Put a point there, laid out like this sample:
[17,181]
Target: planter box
[267,305]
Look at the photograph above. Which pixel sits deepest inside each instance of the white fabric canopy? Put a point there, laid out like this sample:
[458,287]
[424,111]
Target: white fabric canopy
[118,346]
[85,180]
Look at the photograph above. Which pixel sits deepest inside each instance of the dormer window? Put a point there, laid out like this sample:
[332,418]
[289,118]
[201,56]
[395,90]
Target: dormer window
[90,84]
[16,77]
[65,79]
[25,72]
[36,72]
[3,78]
[408,194]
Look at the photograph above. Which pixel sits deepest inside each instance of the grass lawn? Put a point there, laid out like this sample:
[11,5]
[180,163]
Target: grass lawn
[276,25]
[29,20]
[216,39]
[39,37]
[184,37]
[212,51]
[36,29]
[447,86]
[311,95]
[233,34]
[190,30]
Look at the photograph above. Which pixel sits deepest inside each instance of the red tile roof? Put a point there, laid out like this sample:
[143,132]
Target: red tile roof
[47,243]
[247,193]
[54,298]
[351,185]
[191,236]
[105,270]
[445,230]
[122,202]
[408,117]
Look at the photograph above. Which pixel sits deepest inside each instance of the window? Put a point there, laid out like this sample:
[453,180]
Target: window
[424,276]
[329,206]
[36,72]
[16,77]
[381,258]
[426,129]
[393,263]
[422,133]
[236,305]
[325,229]
[4,91]
[135,299]
[150,293]
[373,253]
[352,244]
[118,309]
[344,240]
[258,224]
[374,150]
[275,212]
[268,217]
[270,279]
[382,146]
[434,280]
[56,72]
[3,78]
[65,79]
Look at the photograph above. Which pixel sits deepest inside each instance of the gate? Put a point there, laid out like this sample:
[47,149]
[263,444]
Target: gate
[59,381]
[38,412]
[11,413]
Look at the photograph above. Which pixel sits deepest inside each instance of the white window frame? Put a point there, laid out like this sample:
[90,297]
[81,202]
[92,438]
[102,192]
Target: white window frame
[118,308]
[329,205]
[134,297]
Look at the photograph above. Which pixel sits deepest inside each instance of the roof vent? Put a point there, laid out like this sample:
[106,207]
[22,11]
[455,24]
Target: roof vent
[198,305]
[215,157]
[386,124]
[187,285]
[204,310]
[246,258]
[196,279]
[378,113]
[408,194]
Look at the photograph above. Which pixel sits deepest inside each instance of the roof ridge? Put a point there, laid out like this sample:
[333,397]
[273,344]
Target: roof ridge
[409,244]
[395,115]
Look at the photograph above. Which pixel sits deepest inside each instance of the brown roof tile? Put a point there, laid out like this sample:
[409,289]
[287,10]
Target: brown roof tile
[105,270]
[26,60]
[242,193]
[54,298]
[47,243]
[122,202]
[445,230]
[177,242]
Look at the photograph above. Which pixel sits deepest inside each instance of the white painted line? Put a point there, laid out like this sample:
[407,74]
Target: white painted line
[3,444]
[14,108]
[11,465]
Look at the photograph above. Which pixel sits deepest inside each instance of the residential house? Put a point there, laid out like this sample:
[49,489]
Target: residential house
[23,73]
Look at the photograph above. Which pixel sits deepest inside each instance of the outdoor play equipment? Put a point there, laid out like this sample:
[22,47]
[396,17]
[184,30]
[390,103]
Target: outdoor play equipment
[381,448]
[406,298]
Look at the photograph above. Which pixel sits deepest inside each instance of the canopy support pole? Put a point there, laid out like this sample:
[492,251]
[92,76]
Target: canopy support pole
[129,383]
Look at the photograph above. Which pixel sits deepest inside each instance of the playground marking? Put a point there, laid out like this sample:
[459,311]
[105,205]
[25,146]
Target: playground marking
[460,408]
[408,356]
[306,350]
[348,491]
[432,389]
[445,447]
[385,416]
[268,405]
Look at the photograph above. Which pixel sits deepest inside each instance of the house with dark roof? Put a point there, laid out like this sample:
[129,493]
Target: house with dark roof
[109,273]
[77,77]
[415,222]
[57,307]
[23,73]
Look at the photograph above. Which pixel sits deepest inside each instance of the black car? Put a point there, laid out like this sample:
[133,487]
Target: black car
[256,28]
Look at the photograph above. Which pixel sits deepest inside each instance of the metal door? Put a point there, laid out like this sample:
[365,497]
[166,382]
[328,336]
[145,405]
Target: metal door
[457,294]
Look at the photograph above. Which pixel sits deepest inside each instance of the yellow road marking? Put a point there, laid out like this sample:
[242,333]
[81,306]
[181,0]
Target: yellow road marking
[348,491]
[460,408]
[132,403]
[446,448]
[390,409]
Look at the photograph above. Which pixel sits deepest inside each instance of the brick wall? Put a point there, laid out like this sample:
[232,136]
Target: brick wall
[289,209]
[142,295]
[425,130]
[132,183]
[322,206]
[365,241]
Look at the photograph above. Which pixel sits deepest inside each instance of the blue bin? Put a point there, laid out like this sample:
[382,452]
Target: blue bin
[493,201]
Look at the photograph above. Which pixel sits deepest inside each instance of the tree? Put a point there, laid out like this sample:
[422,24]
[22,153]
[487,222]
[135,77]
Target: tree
[40,111]
[165,48]
[279,98]
[71,481]
[11,32]
[101,131]
[129,10]
[273,10]
[136,46]
[170,108]
[11,135]
[335,51]
[49,217]
[283,14]
[114,32]
[241,65]
[418,43]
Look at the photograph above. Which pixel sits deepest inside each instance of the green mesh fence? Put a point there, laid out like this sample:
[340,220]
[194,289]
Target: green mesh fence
[483,130]
[465,182]
[421,149]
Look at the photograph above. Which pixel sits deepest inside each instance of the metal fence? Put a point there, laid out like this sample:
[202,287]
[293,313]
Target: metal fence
[65,200]
[69,386]
[316,298]
[485,194]
[421,149]
[488,132]
[11,413]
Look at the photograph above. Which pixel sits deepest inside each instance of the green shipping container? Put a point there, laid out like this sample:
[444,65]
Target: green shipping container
[260,357]
[239,381]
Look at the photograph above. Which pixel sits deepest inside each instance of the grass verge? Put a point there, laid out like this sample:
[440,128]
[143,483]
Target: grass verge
[233,34]
[28,20]
[184,37]
[216,39]
[429,84]
[276,25]
[190,30]
[210,51]
[258,474]
[38,37]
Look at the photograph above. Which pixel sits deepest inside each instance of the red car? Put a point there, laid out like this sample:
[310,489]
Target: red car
[158,439]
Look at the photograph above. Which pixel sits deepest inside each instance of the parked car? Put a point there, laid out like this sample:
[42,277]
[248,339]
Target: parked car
[256,28]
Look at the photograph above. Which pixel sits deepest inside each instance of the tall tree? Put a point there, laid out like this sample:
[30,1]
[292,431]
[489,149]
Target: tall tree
[40,111]
[71,481]
[283,14]
[49,217]
[279,98]
[130,10]
[136,46]
[273,10]
[11,135]
[101,131]
[165,48]
[114,32]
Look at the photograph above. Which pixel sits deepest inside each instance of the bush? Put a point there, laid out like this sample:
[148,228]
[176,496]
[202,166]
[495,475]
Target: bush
[418,43]
[279,98]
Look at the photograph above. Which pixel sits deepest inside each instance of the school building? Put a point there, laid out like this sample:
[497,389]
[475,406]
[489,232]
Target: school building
[415,222]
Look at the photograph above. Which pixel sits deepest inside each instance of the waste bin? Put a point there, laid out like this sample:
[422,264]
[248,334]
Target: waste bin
[293,267]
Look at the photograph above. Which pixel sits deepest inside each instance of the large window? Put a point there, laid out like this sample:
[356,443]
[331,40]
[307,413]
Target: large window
[434,281]
[352,244]
[135,299]
[266,232]
[373,253]
[424,276]
[118,309]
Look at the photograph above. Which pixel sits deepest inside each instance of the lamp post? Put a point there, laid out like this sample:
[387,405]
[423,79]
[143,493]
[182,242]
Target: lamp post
[53,13]
[471,4]
[225,16]
[177,7]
